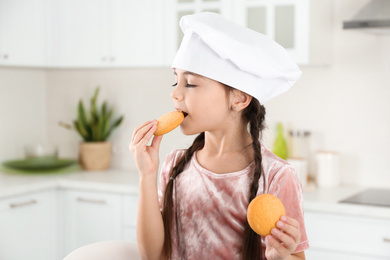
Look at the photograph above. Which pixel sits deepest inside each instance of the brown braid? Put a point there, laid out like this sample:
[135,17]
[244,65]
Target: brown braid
[168,200]
[254,114]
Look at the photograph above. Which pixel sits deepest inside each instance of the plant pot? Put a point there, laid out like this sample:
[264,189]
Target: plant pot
[95,155]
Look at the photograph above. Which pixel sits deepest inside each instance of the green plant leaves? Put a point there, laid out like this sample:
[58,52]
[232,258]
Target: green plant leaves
[98,126]
[81,124]
[94,112]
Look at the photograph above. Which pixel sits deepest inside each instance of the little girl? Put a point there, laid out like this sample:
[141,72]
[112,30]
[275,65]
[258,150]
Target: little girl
[224,73]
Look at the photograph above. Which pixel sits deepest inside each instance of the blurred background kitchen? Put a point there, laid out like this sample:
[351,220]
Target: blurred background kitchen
[55,52]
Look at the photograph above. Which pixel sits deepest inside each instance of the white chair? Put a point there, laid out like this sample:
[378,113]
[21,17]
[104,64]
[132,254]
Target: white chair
[106,250]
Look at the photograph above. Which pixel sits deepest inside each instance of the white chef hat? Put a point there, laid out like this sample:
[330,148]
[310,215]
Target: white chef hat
[234,55]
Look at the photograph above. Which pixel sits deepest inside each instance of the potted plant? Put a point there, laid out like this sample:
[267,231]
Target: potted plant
[95,127]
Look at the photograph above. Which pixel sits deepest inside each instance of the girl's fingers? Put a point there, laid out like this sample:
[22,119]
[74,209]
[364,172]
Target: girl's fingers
[286,241]
[290,226]
[285,238]
[142,131]
[138,128]
[156,142]
[143,141]
[278,246]
[290,221]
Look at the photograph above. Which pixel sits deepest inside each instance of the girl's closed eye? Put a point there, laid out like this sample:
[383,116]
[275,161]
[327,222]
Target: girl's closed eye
[188,85]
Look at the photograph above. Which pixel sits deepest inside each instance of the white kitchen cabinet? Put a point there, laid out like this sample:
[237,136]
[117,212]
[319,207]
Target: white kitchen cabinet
[342,237]
[80,33]
[90,217]
[106,33]
[319,254]
[28,227]
[49,225]
[285,21]
[175,9]
[293,24]
[129,206]
[137,33]
[23,37]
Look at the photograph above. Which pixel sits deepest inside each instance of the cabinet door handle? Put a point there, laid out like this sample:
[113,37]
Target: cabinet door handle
[385,239]
[22,204]
[91,201]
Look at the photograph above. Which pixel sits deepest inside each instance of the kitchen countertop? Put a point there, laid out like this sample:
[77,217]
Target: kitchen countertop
[119,181]
[327,200]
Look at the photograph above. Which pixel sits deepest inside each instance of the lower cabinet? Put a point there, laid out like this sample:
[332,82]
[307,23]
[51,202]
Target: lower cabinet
[28,227]
[90,217]
[48,225]
[341,237]
[129,216]
[318,254]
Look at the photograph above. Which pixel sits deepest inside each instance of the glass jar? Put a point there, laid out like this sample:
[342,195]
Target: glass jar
[299,152]
[299,144]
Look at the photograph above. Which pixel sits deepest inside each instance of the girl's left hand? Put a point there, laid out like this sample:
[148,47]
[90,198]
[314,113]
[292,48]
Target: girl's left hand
[283,240]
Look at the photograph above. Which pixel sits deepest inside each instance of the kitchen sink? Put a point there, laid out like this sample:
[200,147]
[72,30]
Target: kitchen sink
[375,197]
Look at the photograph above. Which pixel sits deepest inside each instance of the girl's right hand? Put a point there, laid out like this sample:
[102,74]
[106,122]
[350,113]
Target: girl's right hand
[146,157]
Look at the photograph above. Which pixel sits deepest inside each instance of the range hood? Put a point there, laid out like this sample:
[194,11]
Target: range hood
[375,16]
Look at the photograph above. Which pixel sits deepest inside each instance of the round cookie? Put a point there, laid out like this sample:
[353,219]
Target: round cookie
[263,213]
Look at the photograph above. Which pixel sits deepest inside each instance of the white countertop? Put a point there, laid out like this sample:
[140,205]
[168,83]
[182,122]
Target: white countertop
[110,181]
[327,200]
[119,181]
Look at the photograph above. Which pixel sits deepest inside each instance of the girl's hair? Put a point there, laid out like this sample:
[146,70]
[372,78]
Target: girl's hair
[254,115]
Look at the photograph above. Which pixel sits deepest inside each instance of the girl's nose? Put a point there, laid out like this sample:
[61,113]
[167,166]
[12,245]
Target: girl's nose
[176,93]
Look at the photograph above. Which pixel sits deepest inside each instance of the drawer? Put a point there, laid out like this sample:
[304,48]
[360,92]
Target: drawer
[26,201]
[130,204]
[348,234]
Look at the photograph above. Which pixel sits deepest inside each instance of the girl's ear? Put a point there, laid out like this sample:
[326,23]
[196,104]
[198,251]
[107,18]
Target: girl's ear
[240,100]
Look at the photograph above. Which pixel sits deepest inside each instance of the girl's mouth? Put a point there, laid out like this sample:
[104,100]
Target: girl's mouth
[184,113]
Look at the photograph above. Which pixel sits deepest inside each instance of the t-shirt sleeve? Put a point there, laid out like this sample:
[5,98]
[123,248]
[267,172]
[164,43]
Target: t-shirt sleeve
[287,187]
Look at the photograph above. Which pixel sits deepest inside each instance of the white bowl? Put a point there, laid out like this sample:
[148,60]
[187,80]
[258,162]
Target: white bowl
[40,151]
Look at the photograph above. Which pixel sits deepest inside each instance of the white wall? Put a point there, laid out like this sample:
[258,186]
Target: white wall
[22,110]
[138,94]
[344,105]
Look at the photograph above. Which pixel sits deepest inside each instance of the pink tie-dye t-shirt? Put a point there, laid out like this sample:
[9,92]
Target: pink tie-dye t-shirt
[210,209]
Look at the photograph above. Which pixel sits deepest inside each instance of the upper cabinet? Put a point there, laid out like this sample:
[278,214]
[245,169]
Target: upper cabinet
[138,32]
[134,33]
[106,33]
[23,33]
[79,33]
[284,21]
[178,8]
[302,27]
